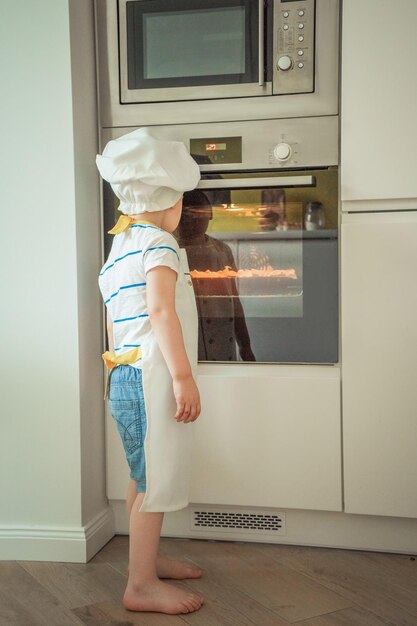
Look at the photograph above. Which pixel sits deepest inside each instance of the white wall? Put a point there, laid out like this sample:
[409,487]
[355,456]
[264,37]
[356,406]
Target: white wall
[52,485]
[88,227]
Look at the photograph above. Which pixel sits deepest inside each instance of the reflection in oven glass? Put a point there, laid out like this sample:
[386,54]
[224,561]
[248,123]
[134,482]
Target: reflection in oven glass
[222,324]
[239,273]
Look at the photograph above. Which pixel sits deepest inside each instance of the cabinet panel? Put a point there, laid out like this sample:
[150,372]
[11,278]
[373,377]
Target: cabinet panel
[378,96]
[379,348]
[269,436]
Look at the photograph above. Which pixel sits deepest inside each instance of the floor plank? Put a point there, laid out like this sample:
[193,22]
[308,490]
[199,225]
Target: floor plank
[25,602]
[288,593]
[226,605]
[12,612]
[244,584]
[354,616]
[113,614]
[115,550]
[78,584]
[364,578]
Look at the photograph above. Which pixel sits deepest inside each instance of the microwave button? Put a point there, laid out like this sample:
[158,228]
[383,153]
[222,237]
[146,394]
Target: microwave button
[301,13]
[300,37]
[300,25]
[285,14]
[284,63]
[282,151]
[285,27]
[300,53]
[301,65]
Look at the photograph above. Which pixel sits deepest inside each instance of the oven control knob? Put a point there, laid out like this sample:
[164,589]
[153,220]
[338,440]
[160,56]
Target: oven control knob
[282,151]
[284,63]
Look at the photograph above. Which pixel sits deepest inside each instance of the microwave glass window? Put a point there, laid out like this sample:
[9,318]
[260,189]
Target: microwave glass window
[194,43]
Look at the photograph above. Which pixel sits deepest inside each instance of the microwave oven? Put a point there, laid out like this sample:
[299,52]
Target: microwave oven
[278,58]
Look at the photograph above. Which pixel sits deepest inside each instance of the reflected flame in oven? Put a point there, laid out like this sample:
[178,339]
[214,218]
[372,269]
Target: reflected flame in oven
[228,272]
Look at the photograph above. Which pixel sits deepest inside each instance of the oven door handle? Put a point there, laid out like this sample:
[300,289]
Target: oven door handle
[270,181]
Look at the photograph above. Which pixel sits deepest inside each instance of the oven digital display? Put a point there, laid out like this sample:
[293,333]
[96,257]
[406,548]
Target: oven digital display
[210,147]
[216,150]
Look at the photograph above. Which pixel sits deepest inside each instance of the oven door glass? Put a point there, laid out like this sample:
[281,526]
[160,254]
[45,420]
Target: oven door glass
[263,256]
[188,45]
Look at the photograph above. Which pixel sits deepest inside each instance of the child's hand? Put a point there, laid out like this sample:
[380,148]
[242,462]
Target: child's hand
[188,400]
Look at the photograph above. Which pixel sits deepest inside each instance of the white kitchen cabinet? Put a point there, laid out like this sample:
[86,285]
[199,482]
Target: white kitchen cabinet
[378,105]
[268,436]
[379,352]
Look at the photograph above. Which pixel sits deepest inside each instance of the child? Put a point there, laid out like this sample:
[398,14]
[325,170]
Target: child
[152,332]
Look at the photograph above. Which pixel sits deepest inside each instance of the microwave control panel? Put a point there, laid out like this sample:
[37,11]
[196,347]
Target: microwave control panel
[294,27]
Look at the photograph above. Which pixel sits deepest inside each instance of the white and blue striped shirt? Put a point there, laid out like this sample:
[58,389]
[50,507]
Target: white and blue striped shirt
[122,281]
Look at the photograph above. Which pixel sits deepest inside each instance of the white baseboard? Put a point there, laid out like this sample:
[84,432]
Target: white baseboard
[70,544]
[304,528]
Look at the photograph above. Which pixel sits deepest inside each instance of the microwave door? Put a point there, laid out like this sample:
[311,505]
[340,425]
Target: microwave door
[188,50]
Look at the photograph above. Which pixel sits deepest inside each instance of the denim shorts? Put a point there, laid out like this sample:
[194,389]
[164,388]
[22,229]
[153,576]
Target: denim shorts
[127,406]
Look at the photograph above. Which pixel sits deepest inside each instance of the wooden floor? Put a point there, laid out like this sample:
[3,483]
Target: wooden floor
[243,584]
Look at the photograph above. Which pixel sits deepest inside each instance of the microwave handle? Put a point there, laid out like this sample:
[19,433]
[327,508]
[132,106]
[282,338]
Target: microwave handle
[261,34]
[270,181]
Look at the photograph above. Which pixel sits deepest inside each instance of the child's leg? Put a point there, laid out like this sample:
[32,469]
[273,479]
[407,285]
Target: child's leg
[144,591]
[165,567]
[131,497]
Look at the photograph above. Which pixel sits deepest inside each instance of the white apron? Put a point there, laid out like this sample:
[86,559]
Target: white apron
[168,443]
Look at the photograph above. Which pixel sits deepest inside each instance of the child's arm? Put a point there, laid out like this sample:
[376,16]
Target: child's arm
[160,292]
[109,324]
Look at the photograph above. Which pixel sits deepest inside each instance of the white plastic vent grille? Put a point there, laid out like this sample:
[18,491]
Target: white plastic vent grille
[239,521]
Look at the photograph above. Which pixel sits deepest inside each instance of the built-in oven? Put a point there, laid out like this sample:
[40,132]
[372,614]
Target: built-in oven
[261,236]
[178,52]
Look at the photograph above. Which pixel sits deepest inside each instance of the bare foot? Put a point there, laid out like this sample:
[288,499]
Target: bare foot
[162,598]
[173,568]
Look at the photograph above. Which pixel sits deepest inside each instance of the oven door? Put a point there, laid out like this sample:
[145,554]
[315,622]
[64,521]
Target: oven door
[263,255]
[189,49]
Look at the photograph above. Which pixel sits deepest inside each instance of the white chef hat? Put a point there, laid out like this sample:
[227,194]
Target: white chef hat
[145,173]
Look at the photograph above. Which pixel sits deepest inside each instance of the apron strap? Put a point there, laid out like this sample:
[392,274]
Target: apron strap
[112,360]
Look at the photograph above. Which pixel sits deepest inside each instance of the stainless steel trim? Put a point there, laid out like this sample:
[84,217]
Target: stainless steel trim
[313,140]
[176,94]
[268,181]
[261,31]
[295,80]
[122,49]
[221,108]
